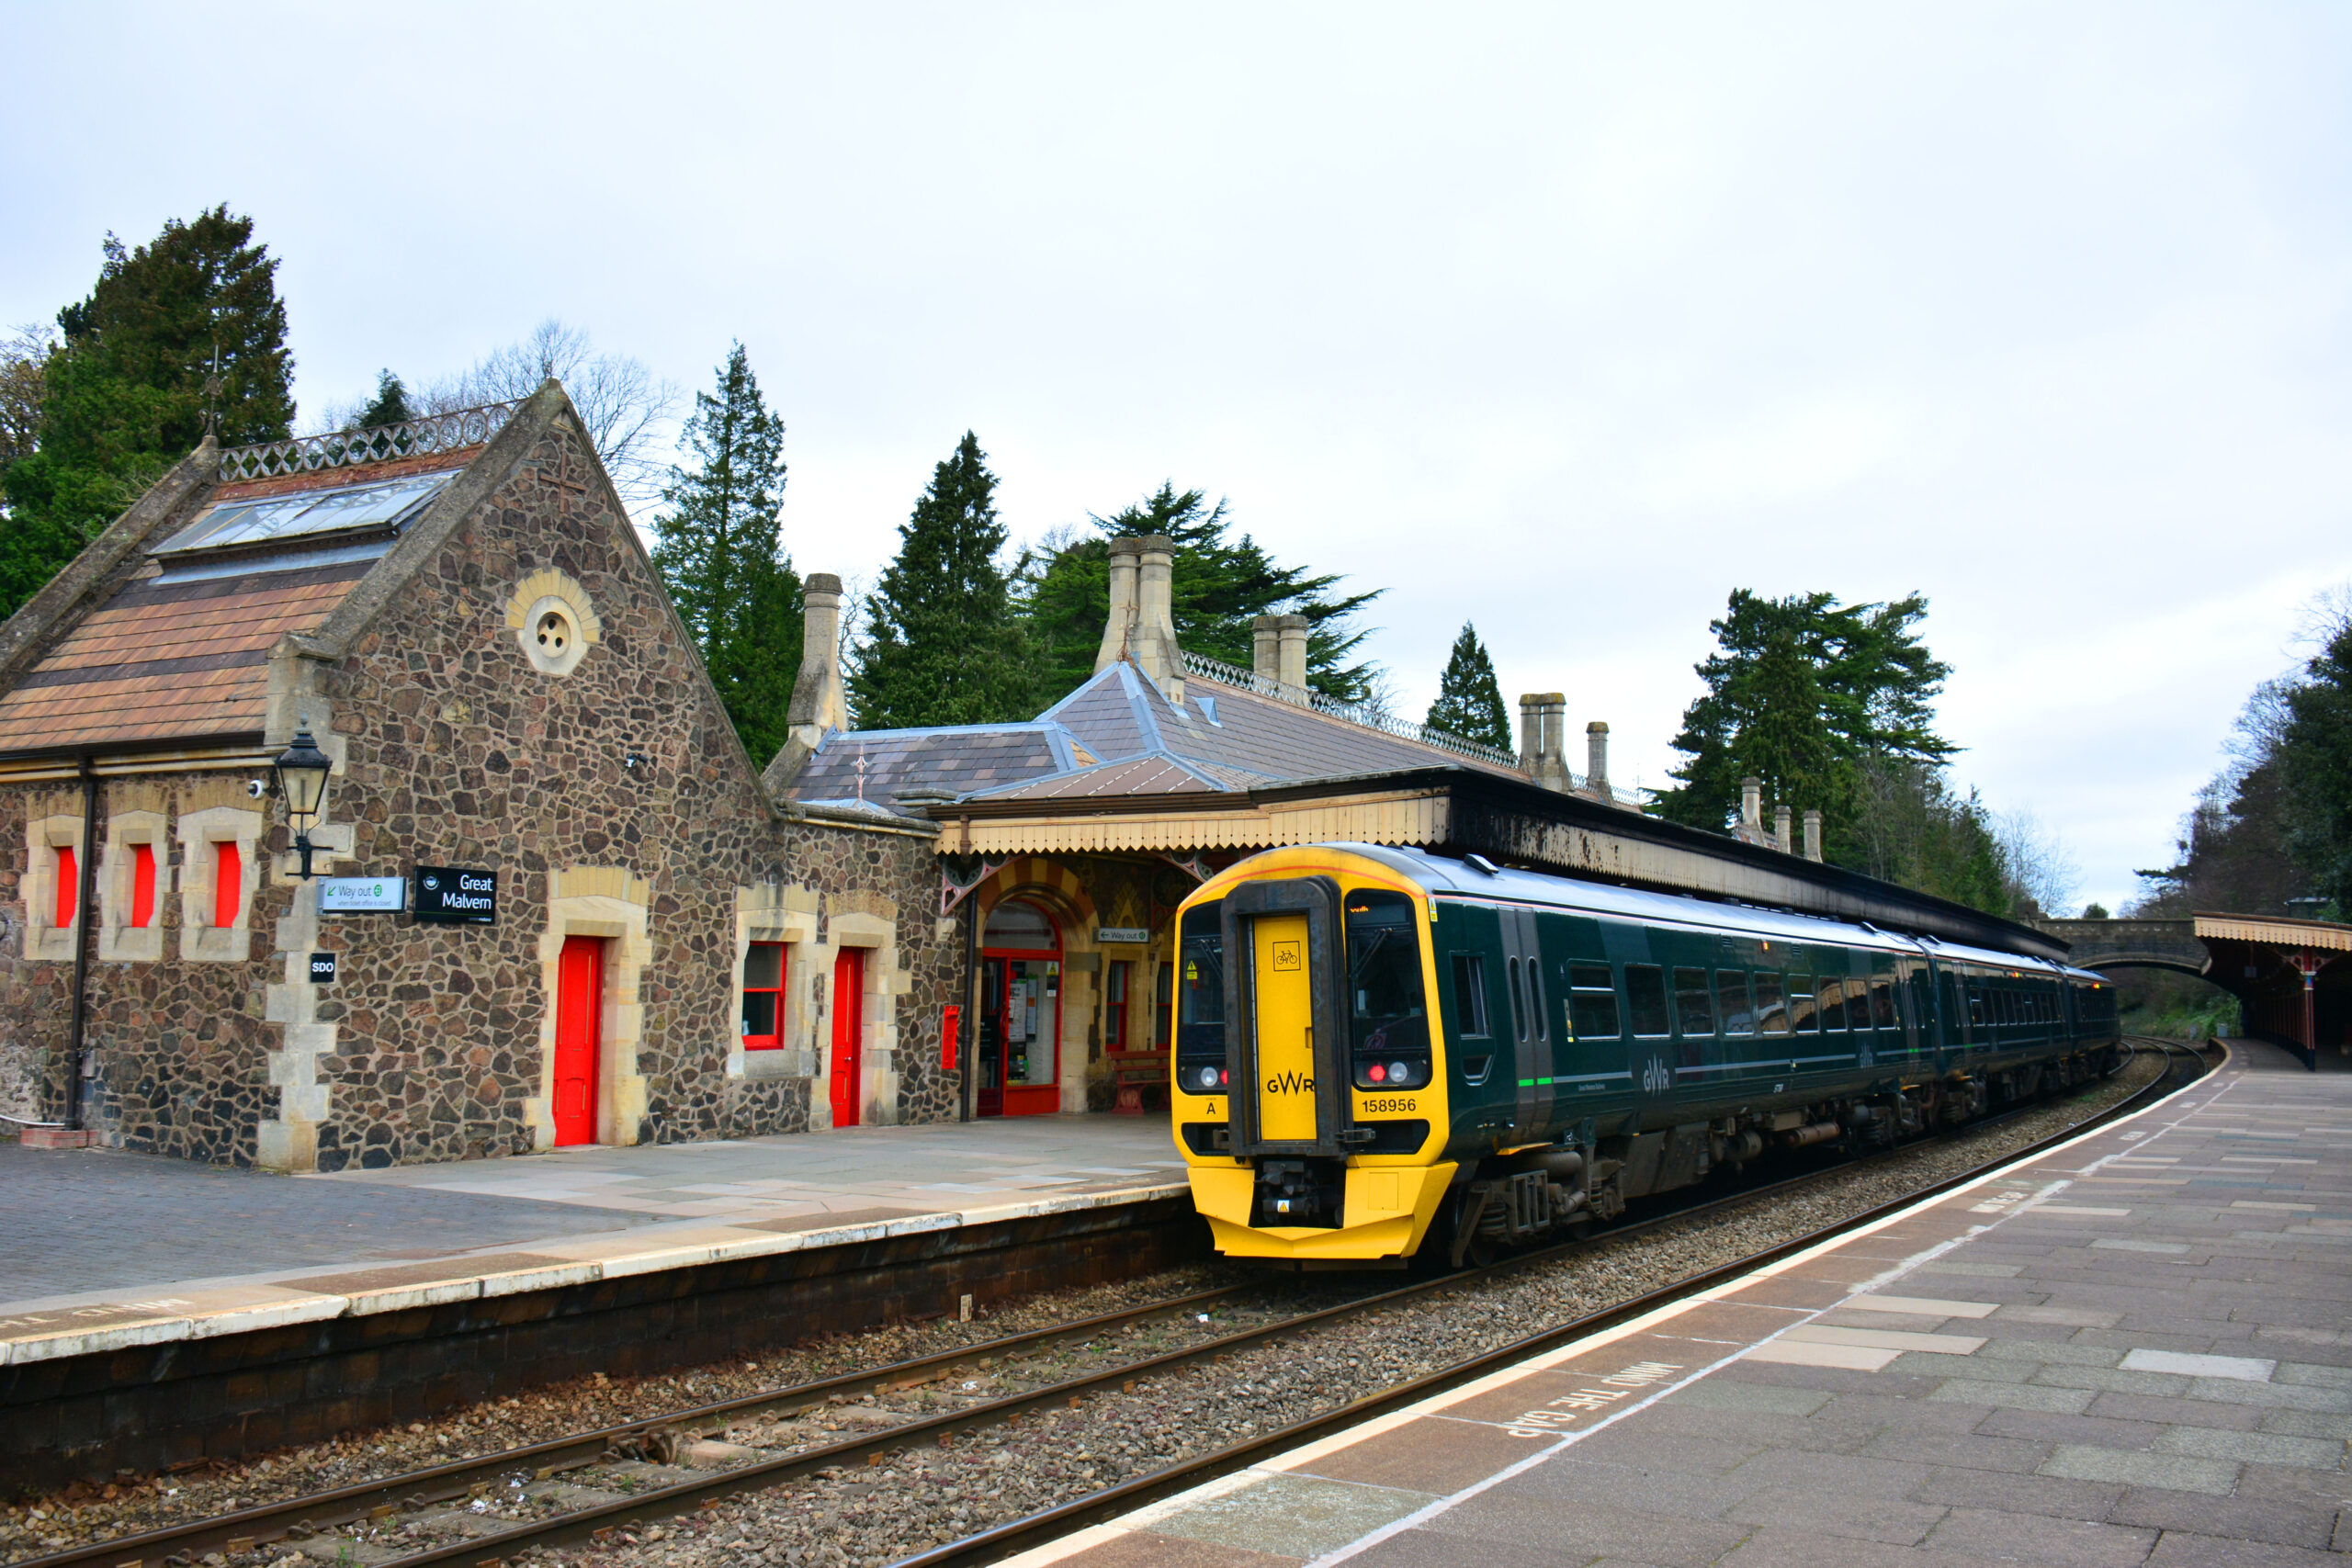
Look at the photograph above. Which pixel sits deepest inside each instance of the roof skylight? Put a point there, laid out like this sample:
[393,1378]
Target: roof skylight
[387,503]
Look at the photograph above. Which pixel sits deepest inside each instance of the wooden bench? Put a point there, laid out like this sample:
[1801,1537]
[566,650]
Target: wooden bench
[1141,1077]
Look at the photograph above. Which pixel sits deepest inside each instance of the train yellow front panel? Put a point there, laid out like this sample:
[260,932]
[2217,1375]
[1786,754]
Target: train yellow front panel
[1285,1023]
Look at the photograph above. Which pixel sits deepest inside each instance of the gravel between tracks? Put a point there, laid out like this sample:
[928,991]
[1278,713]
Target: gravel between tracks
[876,1515]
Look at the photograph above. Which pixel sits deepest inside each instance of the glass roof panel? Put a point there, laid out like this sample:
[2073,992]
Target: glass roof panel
[387,503]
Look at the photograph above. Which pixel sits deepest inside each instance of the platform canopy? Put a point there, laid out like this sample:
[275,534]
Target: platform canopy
[2294,977]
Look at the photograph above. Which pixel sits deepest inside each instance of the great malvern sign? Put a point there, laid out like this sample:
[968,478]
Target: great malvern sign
[449,894]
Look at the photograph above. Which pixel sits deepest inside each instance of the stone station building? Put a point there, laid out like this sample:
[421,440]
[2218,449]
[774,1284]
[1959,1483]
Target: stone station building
[459,609]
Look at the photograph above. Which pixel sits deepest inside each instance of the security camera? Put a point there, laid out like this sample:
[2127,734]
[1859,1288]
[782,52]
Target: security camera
[256,788]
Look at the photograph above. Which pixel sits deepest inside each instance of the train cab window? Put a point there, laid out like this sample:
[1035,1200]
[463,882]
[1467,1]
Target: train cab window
[1833,1005]
[1470,996]
[1771,1010]
[1802,1004]
[1389,1024]
[1694,1009]
[1200,1001]
[1731,989]
[1592,1001]
[1645,1000]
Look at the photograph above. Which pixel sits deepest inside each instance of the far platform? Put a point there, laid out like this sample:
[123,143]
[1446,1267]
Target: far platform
[100,1249]
[2135,1349]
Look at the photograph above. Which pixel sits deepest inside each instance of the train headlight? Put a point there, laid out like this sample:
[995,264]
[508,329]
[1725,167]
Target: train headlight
[1398,1071]
[1208,1077]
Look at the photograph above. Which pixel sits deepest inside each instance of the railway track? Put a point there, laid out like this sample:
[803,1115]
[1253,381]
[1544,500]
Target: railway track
[467,1490]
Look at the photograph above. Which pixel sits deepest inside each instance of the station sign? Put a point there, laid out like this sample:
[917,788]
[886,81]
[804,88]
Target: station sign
[362,894]
[449,894]
[1123,933]
[323,969]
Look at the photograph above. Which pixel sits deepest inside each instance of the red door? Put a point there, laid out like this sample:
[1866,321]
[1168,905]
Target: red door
[849,1028]
[579,1008]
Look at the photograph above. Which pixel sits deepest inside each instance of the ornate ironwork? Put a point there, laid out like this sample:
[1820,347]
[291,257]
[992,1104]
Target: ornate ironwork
[1226,674]
[343,448]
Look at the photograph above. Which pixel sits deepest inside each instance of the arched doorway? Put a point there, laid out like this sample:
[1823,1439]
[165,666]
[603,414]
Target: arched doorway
[1018,1072]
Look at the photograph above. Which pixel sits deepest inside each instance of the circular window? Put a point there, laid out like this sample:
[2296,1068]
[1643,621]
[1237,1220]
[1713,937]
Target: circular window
[555,633]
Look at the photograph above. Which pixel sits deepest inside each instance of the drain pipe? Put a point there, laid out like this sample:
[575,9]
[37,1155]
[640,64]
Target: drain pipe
[971,1041]
[87,874]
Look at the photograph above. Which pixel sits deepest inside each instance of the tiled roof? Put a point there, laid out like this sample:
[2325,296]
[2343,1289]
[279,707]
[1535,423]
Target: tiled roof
[962,759]
[1156,773]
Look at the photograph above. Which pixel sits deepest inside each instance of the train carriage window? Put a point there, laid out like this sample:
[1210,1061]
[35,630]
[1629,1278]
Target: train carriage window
[1518,1002]
[1645,1000]
[1731,989]
[1883,1012]
[1858,1002]
[1694,1008]
[1832,1004]
[1470,995]
[1592,1001]
[1772,1011]
[1976,1018]
[1801,1005]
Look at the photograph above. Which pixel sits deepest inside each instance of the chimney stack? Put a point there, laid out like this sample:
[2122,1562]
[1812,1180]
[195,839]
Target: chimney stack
[1120,627]
[818,707]
[1812,835]
[1782,839]
[1153,644]
[1596,761]
[1751,806]
[1543,724]
[1265,647]
[1290,632]
[1530,731]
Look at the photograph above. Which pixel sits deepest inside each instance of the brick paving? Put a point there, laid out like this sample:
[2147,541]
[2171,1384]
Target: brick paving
[2136,1350]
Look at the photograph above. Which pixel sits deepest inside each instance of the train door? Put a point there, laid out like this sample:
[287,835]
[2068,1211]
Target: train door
[849,1032]
[1531,1001]
[1288,1057]
[579,1025]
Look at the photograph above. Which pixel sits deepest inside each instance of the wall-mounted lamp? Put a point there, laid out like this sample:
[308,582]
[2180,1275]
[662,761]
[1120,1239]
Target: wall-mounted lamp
[301,770]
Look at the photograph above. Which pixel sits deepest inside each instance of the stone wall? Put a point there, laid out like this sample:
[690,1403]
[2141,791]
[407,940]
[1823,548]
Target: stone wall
[607,791]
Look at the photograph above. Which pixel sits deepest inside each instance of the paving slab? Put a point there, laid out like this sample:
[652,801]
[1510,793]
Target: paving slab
[2105,1357]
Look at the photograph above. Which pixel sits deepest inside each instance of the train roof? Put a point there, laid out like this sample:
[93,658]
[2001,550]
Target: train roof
[1444,875]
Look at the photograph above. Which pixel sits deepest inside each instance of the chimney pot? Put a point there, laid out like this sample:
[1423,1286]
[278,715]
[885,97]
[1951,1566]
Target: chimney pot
[1812,835]
[1290,637]
[1153,644]
[1596,759]
[1265,647]
[1782,839]
[1118,631]
[1751,803]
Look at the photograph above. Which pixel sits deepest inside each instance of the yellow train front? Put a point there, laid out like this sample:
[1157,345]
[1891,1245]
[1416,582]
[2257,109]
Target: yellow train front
[1379,1050]
[1313,1135]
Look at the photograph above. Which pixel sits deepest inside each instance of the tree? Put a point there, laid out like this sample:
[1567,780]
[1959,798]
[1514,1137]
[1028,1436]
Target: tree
[623,407]
[1908,827]
[127,395]
[943,640]
[391,405]
[1220,585]
[2315,762]
[720,550]
[1799,693]
[1469,702]
[24,366]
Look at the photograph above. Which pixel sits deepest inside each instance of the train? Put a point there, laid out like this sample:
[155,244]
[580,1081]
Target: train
[1384,1057]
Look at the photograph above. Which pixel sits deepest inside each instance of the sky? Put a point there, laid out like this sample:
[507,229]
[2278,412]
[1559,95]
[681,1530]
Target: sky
[1561,319]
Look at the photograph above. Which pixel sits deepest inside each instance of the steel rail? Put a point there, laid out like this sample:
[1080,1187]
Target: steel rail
[374,1500]
[1020,1534]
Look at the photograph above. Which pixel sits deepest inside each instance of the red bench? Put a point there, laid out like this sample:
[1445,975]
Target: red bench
[1141,1078]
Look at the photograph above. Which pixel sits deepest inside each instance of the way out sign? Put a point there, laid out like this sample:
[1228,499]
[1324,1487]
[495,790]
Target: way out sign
[362,894]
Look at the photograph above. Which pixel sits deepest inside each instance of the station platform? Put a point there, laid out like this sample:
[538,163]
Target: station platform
[2136,1349]
[101,1250]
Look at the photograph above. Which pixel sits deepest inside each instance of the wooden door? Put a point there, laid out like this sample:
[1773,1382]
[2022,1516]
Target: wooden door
[579,1024]
[849,1028]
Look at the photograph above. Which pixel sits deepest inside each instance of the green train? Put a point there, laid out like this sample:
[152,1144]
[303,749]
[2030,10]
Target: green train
[1382,1050]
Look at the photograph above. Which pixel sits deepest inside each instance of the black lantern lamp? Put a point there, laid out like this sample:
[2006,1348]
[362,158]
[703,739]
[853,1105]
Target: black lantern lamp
[301,770]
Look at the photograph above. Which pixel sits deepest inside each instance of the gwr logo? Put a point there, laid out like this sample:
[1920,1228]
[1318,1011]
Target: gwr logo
[1656,1078]
[1285,955]
[1290,1083]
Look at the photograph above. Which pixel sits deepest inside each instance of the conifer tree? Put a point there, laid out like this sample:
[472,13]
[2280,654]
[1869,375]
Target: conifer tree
[125,397]
[1469,702]
[391,405]
[1220,585]
[719,548]
[944,643]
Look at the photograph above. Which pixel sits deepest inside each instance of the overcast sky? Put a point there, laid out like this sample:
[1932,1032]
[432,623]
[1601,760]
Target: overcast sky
[1565,320]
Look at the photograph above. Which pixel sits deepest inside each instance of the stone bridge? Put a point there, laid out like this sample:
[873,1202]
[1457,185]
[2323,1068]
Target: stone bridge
[2133,945]
[2292,977]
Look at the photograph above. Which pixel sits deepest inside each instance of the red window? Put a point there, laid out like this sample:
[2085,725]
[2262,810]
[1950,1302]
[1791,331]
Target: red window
[143,885]
[763,971]
[69,885]
[228,883]
[1114,1006]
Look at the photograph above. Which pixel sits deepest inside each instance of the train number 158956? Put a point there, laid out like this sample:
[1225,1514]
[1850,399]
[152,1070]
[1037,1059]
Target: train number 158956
[1374,1107]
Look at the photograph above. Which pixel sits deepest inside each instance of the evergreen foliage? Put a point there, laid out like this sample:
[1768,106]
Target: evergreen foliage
[944,642]
[125,397]
[2315,759]
[1469,701]
[390,406]
[1220,585]
[1800,691]
[720,550]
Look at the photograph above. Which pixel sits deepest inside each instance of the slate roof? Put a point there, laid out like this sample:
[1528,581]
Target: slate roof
[181,650]
[1221,738]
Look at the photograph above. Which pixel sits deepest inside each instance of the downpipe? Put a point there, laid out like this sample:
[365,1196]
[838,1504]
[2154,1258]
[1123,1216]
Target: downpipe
[85,875]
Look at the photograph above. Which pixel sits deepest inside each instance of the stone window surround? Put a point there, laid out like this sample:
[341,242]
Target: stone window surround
[119,942]
[201,941]
[44,836]
[777,913]
[534,598]
[614,903]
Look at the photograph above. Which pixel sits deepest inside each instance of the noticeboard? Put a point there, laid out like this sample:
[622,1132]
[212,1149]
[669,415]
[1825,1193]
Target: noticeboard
[449,894]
